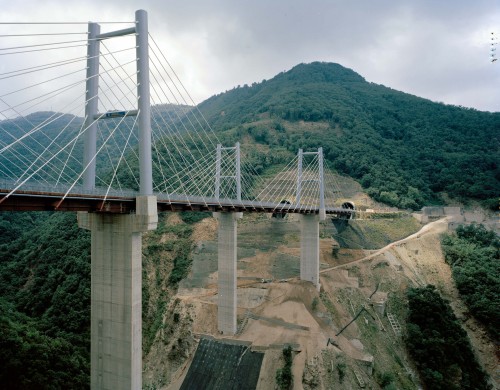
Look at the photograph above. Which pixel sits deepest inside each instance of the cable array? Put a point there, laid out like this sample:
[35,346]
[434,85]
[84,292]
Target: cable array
[43,127]
[42,107]
[184,142]
[283,188]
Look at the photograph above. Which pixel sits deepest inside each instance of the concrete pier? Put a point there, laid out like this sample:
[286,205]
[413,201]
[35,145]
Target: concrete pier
[116,294]
[309,248]
[227,251]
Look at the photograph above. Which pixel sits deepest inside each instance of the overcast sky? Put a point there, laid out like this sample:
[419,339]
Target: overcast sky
[437,49]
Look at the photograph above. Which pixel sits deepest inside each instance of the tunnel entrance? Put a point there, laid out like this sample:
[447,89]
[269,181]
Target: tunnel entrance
[281,214]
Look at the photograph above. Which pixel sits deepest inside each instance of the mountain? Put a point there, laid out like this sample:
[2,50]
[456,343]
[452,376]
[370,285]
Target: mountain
[406,151]
[56,140]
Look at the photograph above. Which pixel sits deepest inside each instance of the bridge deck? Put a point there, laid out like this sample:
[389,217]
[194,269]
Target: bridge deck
[34,200]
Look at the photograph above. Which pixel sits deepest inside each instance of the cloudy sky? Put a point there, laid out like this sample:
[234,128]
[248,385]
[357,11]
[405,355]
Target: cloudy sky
[437,49]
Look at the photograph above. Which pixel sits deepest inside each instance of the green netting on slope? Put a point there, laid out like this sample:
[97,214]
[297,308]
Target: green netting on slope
[219,366]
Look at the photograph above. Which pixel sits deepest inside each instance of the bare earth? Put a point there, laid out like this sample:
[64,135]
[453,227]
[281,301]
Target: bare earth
[284,313]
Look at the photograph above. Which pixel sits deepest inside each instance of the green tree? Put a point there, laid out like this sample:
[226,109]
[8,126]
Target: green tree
[284,377]
[474,254]
[438,344]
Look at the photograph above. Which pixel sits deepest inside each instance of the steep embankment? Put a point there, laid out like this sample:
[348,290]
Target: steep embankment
[373,234]
[274,314]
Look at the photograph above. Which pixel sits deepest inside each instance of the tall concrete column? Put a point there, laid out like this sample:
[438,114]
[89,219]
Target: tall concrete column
[91,107]
[299,178]
[116,294]
[218,161]
[144,103]
[309,248]
[227,251]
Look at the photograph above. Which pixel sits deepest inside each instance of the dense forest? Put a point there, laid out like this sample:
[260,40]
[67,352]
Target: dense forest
[474,256]
[406,151]
[45,301]
[439,346]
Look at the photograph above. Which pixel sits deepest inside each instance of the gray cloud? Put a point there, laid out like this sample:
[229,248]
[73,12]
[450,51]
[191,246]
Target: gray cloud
[437,50]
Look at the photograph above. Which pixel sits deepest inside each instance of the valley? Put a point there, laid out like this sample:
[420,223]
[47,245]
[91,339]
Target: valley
[389,151]
[276,309]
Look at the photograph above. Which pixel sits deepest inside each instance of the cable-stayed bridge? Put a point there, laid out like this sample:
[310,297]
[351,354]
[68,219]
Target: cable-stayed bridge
[99,123]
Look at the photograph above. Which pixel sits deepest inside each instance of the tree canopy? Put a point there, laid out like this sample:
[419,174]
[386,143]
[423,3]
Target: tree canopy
[406,151]
[439,346]
[474,256]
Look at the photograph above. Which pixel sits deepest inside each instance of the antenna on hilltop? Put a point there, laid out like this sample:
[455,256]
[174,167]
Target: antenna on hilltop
[493,49]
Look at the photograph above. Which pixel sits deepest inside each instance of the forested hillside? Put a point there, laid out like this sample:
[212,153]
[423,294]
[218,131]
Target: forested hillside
[406,151]
[474,256]
[45,301]
[439,345]
[45,295]
[58,138]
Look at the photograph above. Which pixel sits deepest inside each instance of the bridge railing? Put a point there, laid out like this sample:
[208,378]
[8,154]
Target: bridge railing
[35,187]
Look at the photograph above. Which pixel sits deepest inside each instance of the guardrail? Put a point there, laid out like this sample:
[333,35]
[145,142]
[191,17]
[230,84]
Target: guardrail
[53,193]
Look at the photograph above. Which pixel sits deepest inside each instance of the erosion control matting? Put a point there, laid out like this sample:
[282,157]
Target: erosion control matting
[221,366]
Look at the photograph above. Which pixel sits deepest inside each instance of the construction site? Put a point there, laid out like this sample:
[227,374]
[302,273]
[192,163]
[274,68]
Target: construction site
[346,335]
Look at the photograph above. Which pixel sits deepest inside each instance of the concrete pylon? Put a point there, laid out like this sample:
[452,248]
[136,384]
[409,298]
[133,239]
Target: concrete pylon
[116,294]
[237,170]
[227,255]
[309,248]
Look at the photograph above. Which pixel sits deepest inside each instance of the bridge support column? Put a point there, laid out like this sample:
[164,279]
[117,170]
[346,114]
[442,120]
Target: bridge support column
[227,252]
[116,294]
[309,248]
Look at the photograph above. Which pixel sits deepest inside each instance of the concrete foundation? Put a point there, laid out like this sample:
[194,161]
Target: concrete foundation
[116,294]
[379,300]
[431,213]
[309,248]
[227,251]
